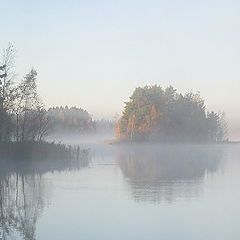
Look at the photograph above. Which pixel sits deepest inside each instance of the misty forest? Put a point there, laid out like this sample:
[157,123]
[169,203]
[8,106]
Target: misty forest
[23,116]
[152,114]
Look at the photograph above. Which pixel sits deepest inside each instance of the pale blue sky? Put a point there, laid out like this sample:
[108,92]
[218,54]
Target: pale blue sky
[94,53]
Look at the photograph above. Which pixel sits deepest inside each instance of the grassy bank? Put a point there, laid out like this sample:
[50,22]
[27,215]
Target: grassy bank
[40,157]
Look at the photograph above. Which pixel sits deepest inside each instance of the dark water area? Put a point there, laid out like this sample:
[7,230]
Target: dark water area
[144,191]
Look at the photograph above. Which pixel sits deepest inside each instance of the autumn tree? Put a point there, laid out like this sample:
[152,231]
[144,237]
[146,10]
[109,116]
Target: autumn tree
[165,115]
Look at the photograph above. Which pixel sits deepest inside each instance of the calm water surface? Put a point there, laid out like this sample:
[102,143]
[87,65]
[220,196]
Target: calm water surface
[138,192]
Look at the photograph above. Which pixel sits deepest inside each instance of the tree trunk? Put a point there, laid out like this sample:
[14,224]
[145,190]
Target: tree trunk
[17,133]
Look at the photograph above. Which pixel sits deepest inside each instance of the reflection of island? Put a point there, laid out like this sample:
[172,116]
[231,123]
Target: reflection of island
[23,191]
[168,172]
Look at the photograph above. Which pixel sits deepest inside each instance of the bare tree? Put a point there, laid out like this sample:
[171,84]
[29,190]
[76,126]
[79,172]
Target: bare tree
[7,90]
[27,101]
[32,121]
[44,124]
[8,60]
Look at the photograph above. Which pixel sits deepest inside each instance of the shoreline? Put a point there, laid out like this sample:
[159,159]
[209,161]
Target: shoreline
[123,142]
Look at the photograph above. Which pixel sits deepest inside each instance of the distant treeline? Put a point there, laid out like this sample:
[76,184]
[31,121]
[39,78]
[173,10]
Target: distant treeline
[166,115]
[75,119]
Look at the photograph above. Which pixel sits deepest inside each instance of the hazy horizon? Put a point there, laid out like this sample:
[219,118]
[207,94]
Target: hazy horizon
[93,55]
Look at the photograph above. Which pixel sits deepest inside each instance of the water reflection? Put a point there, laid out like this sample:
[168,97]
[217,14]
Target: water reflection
[22,199]
[23,191]
[167,173]
[153,174]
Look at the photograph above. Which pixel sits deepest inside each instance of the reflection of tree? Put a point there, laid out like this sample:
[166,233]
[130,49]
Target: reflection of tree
[21,202]
[167,172]
[23,190]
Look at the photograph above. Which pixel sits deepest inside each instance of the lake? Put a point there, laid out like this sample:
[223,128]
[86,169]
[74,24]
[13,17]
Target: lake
[125,192]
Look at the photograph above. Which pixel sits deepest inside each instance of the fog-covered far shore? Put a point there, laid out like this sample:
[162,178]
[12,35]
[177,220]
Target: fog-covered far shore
[81,138]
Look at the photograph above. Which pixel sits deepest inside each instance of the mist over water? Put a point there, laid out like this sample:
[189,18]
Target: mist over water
[176,190]
[84,139]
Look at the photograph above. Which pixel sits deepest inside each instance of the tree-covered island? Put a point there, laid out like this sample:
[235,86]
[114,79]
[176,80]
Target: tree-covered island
[157,114]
